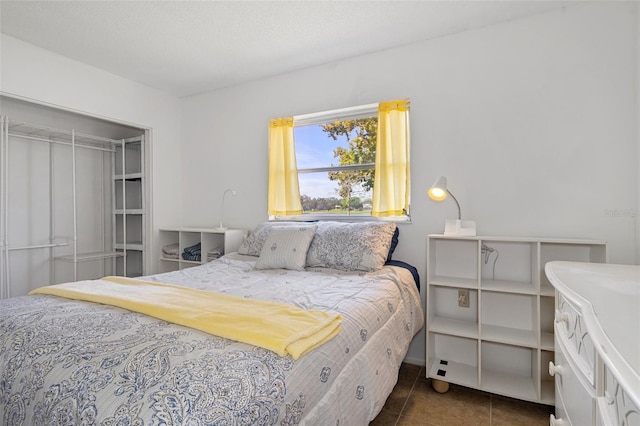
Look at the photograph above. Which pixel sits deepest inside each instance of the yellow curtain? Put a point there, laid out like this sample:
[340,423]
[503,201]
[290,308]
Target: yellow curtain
[391,191]
[284,190]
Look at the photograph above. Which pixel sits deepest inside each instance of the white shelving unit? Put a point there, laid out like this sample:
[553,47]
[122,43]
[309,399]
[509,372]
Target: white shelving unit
[503,341]
[227,240]
[129,206]
[59,209]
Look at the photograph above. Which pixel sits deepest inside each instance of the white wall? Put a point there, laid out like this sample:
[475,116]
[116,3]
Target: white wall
[637,74]
[35,74]
[533,121]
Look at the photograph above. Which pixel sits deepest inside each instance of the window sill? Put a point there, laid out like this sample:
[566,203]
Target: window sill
[340,218]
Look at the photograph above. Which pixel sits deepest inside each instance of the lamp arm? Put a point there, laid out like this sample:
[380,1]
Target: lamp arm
[222,209]
[222,205]
[457,204]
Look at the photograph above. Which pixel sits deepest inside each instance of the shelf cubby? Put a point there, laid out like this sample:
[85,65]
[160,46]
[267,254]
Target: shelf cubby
[134,264]
[520,277]
[546,318]
[520,311]
[507,370]
[580,251]
[454,360]
[547,385]
[133,194]
[134,231]
[447,316]
[134,153]
[442,253]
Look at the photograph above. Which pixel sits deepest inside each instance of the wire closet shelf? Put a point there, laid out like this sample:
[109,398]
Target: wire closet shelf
[75,140]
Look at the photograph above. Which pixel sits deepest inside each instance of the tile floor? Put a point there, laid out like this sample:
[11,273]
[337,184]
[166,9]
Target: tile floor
[413,402]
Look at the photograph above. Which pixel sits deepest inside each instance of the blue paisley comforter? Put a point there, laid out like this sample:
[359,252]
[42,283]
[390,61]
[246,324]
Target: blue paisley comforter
[66,362]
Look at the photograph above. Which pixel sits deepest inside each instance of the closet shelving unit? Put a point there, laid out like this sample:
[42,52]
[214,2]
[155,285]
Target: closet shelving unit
[129,205]
[114,247]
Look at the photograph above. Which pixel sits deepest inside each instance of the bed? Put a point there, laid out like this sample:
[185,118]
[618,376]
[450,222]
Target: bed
[66,361]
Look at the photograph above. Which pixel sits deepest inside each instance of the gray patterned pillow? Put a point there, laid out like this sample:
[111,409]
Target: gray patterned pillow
[252,245]
[286,247]
[351,246]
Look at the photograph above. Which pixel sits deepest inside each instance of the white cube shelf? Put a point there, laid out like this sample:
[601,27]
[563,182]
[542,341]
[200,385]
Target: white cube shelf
[227,240]
[503,341]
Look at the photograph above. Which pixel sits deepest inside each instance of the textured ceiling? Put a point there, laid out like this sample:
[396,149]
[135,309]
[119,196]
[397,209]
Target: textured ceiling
[188,47]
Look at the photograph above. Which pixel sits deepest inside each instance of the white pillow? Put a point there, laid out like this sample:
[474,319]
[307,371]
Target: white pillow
[252,245]
[360,246]
[286,247]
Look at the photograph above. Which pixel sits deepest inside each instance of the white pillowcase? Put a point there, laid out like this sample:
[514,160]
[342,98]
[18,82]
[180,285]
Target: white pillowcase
[286,247]
[252,245]
[360,246]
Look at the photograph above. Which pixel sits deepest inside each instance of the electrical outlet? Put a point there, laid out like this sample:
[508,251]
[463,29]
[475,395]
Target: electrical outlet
[463,298]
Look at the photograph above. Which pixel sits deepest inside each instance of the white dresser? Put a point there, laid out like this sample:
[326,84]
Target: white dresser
[597,343]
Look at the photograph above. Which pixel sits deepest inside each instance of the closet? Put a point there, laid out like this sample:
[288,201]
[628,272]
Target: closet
[72,198]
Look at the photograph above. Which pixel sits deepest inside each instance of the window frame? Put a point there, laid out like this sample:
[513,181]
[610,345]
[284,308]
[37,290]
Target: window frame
[318,118]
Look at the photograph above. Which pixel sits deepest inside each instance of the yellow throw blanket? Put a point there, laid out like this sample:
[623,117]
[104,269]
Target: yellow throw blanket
[279,327]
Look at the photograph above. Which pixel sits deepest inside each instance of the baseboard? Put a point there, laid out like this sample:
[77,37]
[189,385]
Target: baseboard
[415,361]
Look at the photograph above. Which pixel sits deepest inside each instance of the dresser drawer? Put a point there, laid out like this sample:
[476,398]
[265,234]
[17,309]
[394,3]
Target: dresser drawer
[572,331]
[616,406]
[574,394]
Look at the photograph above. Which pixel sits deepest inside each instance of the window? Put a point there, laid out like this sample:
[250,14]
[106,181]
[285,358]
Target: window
[342,168]
[336,154]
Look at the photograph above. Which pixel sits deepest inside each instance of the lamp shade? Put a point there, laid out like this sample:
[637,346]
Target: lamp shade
[438,191]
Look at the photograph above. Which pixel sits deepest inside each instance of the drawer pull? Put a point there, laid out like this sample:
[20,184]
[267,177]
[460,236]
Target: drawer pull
[562,316]
[554,369]
[556,422]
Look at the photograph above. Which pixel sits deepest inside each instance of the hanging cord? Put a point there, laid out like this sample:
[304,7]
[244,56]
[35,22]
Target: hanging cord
[487,254]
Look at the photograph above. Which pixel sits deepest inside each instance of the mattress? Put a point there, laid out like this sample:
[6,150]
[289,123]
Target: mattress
[64,361]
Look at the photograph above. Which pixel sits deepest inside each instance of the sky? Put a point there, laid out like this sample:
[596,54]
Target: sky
[314,148]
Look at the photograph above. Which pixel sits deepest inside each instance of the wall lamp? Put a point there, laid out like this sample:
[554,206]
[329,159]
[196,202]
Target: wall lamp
[439,192]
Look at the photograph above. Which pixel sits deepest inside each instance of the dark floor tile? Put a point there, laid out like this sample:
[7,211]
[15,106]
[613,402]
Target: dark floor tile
[459,406]
[408,372]
[413,402]
[422,384]
[398,398]
[385,418]
[412,421]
